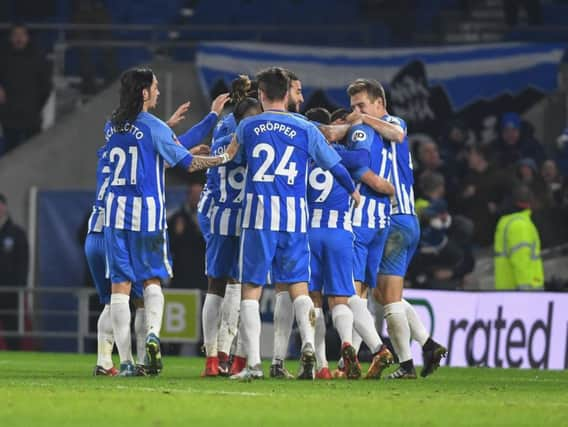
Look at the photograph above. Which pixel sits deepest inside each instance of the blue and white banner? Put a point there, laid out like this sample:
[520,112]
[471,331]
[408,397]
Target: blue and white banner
[425,85]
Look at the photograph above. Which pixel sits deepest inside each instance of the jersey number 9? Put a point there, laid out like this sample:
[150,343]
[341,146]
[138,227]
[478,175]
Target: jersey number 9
[324,186]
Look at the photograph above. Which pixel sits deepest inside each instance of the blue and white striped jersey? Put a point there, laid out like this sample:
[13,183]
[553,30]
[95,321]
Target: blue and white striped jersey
[328,202]
[225,126]
[402,174]
[277,147]
[97,218]
[226,184]
[137,160]
[374,209]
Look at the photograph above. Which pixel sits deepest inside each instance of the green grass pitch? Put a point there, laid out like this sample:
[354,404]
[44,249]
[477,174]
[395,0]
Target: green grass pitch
[38,389]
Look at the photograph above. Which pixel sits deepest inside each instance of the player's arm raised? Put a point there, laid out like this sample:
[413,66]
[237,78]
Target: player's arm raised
[388,130]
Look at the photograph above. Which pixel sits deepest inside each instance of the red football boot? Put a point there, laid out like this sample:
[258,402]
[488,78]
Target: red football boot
[239,363]
[211,367]
[323,374]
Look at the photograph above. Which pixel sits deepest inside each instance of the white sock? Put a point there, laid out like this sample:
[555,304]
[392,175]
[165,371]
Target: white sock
[229,317]
[321,358]
[364,323]
[154,306]
[140,332]
[342,317]
[357,340]
[120,315]
[250,330]
[210,323]
[399,332]
[417,330]
[283,322]
[240,350]
[305,318]
[105,339]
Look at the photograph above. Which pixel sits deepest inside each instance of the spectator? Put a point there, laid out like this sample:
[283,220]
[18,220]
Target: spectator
[453,145]
[562,152]
[94,60]
[553,181]
[25,85]
[527,174]
[518,264]
[514,144]
[484,188]
[429,161]
[444,254]
[187,244]
[13,269]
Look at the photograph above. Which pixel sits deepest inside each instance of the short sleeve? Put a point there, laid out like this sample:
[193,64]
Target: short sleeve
[319,150]
[397,121]
[360,137]
[165,142]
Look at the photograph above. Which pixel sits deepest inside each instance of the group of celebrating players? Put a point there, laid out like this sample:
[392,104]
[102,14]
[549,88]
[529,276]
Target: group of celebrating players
[317,205]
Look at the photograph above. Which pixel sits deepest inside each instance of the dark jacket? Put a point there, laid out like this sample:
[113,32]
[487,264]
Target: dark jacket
[26,78]
[188,250]
[14,254]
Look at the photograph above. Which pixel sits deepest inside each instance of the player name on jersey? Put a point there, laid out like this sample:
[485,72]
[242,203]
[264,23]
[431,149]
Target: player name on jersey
[276,127]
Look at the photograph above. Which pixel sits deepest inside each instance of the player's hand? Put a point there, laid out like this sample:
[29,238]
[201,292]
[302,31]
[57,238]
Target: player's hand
[356,198]
[219,103]
[200,150]
[2,95]
[178,116]
[354,118]
[232,148]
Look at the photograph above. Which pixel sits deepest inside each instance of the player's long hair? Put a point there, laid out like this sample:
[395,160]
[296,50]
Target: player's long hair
[132,82]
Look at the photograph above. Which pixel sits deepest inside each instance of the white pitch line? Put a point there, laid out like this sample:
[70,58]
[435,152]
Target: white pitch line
[159,390]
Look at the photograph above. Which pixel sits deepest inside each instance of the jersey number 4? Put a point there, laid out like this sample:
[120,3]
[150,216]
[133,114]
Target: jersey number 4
[118,158]
[284,167]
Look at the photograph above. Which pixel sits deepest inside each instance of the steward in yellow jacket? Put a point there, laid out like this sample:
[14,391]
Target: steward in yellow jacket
[518,264]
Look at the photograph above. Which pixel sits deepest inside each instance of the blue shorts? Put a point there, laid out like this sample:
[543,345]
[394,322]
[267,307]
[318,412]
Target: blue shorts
[204,225]
[404,236]
[221,256]
[96,259]
[135,256]
[331,262]
[286,256]
[368,251]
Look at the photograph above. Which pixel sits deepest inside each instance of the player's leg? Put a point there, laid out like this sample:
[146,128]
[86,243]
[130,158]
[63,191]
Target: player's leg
[391,281]
[137,297]
[432,351]
[283,323]
[317,262]
[210,319]
[230,309]
[96,259]
[322,371]
[152,263]
[121,275]
[256,253]
[291,266]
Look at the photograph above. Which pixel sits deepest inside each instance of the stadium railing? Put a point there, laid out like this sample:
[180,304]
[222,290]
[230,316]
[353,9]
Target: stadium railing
[64,313]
